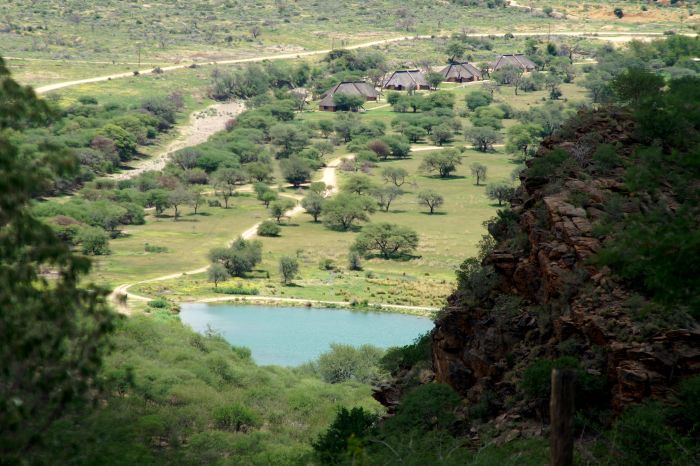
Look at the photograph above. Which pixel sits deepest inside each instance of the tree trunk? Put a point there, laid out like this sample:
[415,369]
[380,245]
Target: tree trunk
[561,412]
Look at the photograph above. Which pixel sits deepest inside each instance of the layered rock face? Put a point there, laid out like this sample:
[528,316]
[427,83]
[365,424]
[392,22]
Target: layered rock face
[549,300]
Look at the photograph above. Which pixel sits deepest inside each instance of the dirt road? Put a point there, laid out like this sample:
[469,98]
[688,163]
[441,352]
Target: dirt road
[200,126]
[611,36]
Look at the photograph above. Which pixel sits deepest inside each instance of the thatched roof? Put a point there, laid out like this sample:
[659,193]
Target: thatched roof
[406,79]
[460,70]
[360,88]
[517,60]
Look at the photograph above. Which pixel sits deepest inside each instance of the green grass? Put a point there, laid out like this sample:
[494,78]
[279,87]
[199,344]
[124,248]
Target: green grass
[187,240]
[446,238]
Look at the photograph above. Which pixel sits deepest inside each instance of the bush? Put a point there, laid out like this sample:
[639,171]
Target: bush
[235,418]
[354,261]
[154,249]
[425,408]
[548,164]
[536,382]
[240,290]
[269,228]
[404,357]
[159,303]
[345,362]
[349,429]
[93,241]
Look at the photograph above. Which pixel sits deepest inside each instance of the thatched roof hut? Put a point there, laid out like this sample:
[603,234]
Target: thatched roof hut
[517,60]
[457,72]
[359,88]
[406,79]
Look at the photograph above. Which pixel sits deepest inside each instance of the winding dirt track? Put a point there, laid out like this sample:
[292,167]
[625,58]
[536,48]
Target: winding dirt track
[611,36]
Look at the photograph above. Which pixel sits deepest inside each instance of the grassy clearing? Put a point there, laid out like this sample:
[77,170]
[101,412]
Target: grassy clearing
[187,241]
[447,238]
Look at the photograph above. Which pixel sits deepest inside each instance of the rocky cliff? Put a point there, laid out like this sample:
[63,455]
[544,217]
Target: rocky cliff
[541,295]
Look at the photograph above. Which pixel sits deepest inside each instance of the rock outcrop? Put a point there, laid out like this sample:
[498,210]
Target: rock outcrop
[550,300]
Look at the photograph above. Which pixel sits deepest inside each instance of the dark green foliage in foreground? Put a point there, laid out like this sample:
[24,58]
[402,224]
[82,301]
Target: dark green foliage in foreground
[344,436]
[176,397]
[656,250]
[405,357]
[53,331]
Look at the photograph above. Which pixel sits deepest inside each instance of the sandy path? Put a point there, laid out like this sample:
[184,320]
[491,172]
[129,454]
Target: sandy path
[200,126]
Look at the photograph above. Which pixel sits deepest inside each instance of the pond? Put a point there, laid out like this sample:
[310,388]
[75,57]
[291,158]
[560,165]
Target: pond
[289,336]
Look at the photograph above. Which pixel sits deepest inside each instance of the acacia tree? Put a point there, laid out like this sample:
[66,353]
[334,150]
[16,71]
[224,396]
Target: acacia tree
[279,208]
[239,258]
[478,171]
[482,137]
[386,195]
[226,180]
[431,199]
[344,210]
[289,267]
[313,204]
[444,162]
[296,170]
[178,197]
[388,239]
[520,137]
[54,332]
[217,273]
[395,175]
[499,192]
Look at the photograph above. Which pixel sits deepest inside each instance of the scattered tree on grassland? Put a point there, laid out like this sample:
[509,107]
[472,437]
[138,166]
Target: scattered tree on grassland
[500,192]
[444,162]
[482,137]
[478,171]
[217,273]
[279,208]
[385,195]
[268,228]
[387,239]
[343,211]
[380,148]
[179,197]
[319,187]
[354,261]
[395,175]
[441,134]
[313,204]
[226,180]
[196,199]
[239,258]
[295,170]
[521,137]
[431,199]
[358,184]
[289,267]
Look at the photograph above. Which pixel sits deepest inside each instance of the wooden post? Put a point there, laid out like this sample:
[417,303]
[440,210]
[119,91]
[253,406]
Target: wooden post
[561,412]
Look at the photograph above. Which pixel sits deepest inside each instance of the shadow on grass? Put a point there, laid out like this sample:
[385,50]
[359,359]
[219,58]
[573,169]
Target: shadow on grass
[434,213]
[396,257]
[292,285]
[451,177]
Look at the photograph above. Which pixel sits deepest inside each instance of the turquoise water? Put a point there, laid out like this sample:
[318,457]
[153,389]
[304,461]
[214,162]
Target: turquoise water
[289,336]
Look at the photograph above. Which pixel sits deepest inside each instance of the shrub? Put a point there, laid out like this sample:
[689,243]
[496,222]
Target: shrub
[425,408]
[93,241]
[349,429]
[404,357]
[154,249]
[159,303]
[240,290]
[354,261]
[548,164]
[269,228]
[235,418]
[345,362]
